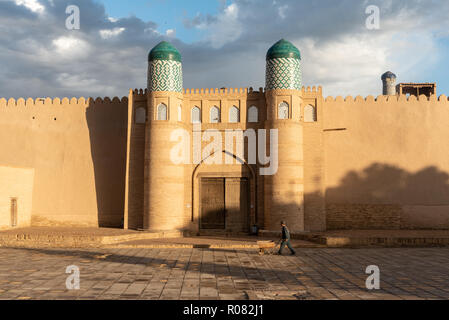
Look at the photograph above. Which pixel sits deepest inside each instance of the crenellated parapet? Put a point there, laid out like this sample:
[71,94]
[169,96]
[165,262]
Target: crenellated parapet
[382,99]
[140,92]
[350,112]
[57,102]
[311,94]
[221,93]
[313,89]
[189,92]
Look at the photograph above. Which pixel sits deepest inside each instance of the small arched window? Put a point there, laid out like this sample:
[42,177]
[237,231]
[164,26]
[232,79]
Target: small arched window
[215,115]
[283,112]
[310,114]
[140,116]
[234,115]
[196,115]
[179,113]
[253,114]
[162,112]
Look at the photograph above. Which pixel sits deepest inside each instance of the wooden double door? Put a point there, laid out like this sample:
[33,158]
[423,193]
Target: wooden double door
[224,204]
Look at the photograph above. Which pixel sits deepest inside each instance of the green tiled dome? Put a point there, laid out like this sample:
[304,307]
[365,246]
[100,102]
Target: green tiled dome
[283,49]
[164,51]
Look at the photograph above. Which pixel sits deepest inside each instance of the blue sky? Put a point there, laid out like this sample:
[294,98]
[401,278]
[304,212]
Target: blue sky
[171,15]
[168,14]
[440,71]
[223,44]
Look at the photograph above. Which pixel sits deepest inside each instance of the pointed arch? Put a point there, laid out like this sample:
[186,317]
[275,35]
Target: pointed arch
[234,115]
[162,112]
[283,111]
[215,115]
[196,115]
[310,114]
[253,114]
[252,176]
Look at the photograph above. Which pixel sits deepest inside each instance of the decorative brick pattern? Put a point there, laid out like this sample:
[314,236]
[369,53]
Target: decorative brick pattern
[283,73]
[164,75]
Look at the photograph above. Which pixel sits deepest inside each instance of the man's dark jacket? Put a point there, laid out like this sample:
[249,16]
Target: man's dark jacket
[285,233]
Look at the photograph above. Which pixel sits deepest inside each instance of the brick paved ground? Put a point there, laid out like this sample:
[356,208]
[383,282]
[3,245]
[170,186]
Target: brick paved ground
[214,242]
[223,274]
[387,233]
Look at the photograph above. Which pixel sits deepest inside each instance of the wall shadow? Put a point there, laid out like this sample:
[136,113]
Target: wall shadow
[387,197]
[387,184]
[244,271]
[381,196]
[107,122]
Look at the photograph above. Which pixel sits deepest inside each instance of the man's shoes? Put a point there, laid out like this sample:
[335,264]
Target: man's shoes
[293,254]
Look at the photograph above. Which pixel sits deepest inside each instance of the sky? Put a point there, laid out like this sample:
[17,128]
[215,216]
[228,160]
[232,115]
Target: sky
[168,14]
[223,44]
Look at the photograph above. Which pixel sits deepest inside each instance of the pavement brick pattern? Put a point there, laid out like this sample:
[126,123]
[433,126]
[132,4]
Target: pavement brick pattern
[212,274]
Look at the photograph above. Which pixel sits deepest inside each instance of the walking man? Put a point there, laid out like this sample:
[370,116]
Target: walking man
[286,239]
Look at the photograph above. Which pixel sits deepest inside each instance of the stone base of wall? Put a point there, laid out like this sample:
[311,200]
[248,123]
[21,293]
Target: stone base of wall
[64,221]
[104,221]
[363,217]
[386,217]
[425,217]
[73,237]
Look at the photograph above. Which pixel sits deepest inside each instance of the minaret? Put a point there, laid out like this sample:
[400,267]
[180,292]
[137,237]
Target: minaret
[283,67]
[389,83]
[284,191]
[164,179]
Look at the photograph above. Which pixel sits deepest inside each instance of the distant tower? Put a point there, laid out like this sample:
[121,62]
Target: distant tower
[284,191]
[389,84]
[162,176]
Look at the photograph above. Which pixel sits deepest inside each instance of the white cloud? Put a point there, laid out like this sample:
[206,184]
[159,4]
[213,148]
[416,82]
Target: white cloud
[171,33]
[353,65]
[347,66]
[226,28]
[33,5]
[71,48]
[85,84]
[282,10]
[110,33]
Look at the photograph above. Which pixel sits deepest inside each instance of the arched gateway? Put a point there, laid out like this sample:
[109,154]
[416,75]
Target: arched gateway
[224,198]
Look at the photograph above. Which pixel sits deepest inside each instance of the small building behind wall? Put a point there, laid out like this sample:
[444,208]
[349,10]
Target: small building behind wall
[417,89]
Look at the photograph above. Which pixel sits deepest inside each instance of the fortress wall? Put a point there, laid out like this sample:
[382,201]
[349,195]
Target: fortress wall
[16,183]
[314,206]
[134,203]
[77,149]
[387,162]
